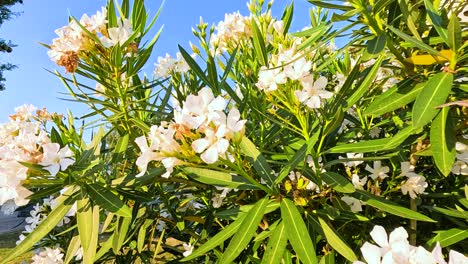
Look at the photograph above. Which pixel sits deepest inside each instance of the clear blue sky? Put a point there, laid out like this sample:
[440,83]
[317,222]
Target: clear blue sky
[32,84]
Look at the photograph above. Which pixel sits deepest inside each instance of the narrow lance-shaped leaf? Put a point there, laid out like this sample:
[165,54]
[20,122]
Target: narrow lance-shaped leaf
[336,242]
[64,204]
[259,44]
[215,241]
[390,207]
[218,178]
[433,94]
[337,182]
[365,84]
[108,200]
[73,247]
[84,218]
[454,33]
[90,252]
[276,245]
[449,237]
[297,158]
[259,162]
[396,97]
[297,232]
[443,141]
[245,232]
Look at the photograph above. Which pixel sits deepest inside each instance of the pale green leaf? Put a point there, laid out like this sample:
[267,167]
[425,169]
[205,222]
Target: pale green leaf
[297,232]
[390,207]
[433,94]
[245,232]
[218,178]
[443,142]
[276,245]
[336,242]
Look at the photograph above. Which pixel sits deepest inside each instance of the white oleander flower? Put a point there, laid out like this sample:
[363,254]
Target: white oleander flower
[355,204]
[268,79]
[388,250]
[358,182]
[212,146]
[375,132]
[378,171]
[415,185]
[353,163]
[217,199]
[298,69]
[48,256]
[56,158]
[313,91]
[188,249]
[118,35]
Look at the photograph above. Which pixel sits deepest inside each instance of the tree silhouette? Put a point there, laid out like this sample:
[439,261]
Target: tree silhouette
[6,45]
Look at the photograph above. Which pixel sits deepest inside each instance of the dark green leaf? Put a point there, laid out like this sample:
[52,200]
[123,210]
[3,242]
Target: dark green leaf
[337,182]
[276,246]
[108,200]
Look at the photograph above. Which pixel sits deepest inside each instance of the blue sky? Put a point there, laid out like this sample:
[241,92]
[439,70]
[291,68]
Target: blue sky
[32,84]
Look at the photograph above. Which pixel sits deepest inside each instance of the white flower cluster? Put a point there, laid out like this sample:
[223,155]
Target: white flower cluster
[396,249]
[39,213]
[167,65]
[21,140]
[234,28]
[460,166]
[48,256]
[293,65]
[416,184]
[73,38]
[202,121]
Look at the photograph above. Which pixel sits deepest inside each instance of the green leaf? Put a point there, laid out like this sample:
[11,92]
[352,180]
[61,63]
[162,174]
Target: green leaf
[443,142]
[108,200]
[454,33]
[218,178]
[276,246]
[365,84]
[120,233]
[395,98]
[111,16]
[297,232]
[436,20]
[259,43]
[362,146]
[219,238]
[433,94]
[259,162]
[416,43]
[142,234]
[376,45]
[245,232]
[298,157]
[194,67]
[287,17]
[449,237]
[73,247]
[105,247]
[451,212]
[390,207]
[90,253]
[336,242]
[84,218]
[122,144]
[64,204]
[337,182]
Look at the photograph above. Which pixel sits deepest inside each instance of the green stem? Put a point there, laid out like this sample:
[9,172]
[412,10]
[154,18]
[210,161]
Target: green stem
[413,223]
